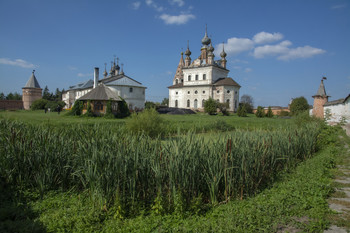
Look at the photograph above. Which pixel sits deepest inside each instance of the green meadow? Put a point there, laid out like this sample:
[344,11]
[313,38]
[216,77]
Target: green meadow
[204,173]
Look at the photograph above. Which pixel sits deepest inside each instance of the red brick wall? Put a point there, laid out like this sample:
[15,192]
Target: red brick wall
[11,104]
[317,109]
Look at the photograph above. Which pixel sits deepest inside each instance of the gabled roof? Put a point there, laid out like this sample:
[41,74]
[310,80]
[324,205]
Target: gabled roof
[101,92]
[121,80]
[32,82]
[338,101]
[226,82]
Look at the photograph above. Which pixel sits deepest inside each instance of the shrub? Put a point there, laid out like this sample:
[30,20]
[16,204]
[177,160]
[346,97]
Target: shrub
[149,122]
[269,112]
[283,113]
[55,106]
[123,109]
[77,109]
[260,112]
[149,105]
[223,108]
[242,111]
[39,104]
[89,112]
[210,106]
[299,105]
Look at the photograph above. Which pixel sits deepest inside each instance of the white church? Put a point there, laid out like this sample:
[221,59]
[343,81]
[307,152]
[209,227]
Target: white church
[197,81]
[132,91]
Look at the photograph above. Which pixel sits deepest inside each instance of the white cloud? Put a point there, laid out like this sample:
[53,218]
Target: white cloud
[265,37]
[85,75]
[136,5]
[17,62]
[180,3]
[338,6]
[301,52]
[247,70]
[176,19]
[270,50]
[235,45]
[152,4]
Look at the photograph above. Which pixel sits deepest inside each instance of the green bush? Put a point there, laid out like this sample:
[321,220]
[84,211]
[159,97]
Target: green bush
[77,108]
[89,112]
[123,109]
[299,105]
[149,122]
[210,106]
[39,104]
[223,108]
[55,106]
[242,111]
[260,112]
[269,113]
[283,113]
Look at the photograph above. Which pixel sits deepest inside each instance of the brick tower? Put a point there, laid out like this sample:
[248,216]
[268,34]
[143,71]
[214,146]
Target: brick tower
[31,92]
[319,100]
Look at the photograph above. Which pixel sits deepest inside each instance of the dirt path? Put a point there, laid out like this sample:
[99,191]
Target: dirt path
[340,200]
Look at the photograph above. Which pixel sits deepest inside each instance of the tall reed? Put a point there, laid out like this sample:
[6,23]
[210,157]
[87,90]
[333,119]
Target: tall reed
[136,172]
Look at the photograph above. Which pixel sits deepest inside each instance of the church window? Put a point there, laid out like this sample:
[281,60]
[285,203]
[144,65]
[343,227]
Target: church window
[182,80]
[203,92]
[203,103]
[196,92]
[228,103]
[236,103]
[176,103]
[218,91]
[195,104]
[188,92]
[204,76]
[176,81]
[189,77]
[98,106]
[188,103]
[228,91]
[176,93]
[196,76]
[130,89]
[236,92]
[218,100]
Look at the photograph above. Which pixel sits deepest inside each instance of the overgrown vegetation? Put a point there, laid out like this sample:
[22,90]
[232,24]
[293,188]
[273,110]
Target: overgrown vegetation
[210,106]
[260,112]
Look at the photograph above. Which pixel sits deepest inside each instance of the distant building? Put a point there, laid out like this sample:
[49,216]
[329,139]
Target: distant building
[31,92]
[204,78]
[334,111]
[132,91]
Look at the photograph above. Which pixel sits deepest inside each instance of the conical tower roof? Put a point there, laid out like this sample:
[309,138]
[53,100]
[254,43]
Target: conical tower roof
[32,82]
[321,90]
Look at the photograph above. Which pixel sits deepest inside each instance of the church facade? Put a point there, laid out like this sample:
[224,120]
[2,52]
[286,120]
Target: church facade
[197,81]
[132,91]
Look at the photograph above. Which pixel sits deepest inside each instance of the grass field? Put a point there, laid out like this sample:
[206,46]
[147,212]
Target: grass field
[77,174]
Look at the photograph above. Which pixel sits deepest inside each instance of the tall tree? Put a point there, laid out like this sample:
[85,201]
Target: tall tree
[165,102]
[46,93]
[2,96]
[248,102]
[299,105]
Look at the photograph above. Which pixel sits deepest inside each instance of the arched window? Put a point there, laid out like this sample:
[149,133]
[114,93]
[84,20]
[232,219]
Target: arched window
[189,77]
[196,76]
[204,76]
[203,100]
[195,104]
[176,81]
[188,103]
[228,103]
[176,104]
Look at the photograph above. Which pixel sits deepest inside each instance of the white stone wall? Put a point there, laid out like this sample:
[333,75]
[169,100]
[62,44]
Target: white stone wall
[339,111]
[134,98]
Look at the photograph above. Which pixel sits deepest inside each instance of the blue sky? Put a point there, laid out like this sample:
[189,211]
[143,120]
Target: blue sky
[277,50]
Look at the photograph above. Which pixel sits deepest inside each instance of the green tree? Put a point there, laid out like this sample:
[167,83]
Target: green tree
[247,101]
[77,108]
[39,104]
[165,102]
[269,112]
[210,106]
[89,112]
[123,109]
[242,111]
[260,112]
[2,96]
[299,105]
[150,104]
[223,108]
[46,93]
